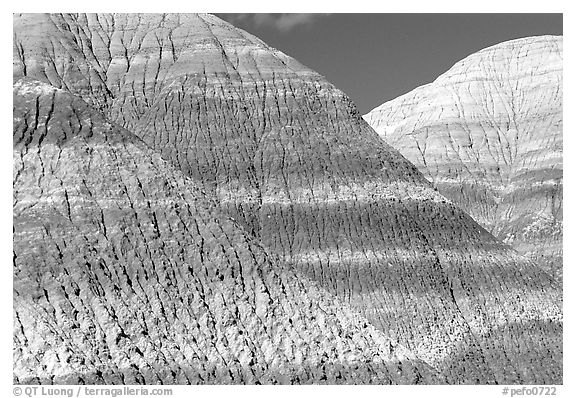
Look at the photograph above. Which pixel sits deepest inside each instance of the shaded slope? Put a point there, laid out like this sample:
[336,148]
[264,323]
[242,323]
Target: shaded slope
[125,273]
[488,134]
[289,157]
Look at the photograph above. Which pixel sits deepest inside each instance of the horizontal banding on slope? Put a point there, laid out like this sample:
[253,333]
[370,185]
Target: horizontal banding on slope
[124,272]
[324,193]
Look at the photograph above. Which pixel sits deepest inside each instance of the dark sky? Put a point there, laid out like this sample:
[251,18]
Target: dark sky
[377,57]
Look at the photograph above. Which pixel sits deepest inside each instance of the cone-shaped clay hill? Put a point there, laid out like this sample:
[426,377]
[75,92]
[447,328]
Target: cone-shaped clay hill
[289,158]
[124,272]
[488,134]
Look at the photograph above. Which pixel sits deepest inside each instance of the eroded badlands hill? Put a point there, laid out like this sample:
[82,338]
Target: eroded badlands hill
[488,134]
[125,273]
[288,156]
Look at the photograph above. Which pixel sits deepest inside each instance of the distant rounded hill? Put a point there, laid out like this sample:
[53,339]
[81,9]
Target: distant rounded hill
[488,134]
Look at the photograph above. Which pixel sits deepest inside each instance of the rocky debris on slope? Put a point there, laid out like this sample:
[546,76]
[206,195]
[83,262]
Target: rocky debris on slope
[289,157]
[125,273]
[488,134]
